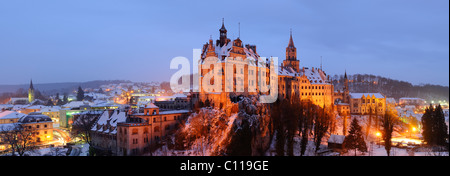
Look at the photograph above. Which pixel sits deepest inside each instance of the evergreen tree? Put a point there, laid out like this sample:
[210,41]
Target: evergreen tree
[427,125]
[441,127]
[434,126]
[65,98]
[354,139]
[80,94]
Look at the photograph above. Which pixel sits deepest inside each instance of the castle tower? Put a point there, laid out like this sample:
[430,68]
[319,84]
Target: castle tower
[223,34]
[291,56]
[31,92]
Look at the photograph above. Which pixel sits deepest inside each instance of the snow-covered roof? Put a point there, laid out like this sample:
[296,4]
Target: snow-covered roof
[89,112]
[179,95]
[35,118]
[360,95]
[107,123]
[8,126]
[50,109]
[337,139]
[6,106]
[35,107]
[151,105]
[105,103]
[75,104]
[390,100]
[11,115]
[225,50]
[409,98]
[174,112]
[314,75]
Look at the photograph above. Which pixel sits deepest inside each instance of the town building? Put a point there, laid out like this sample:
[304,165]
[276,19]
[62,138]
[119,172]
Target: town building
[134,137]
[123,134]
[7,117]
[367,103]
[104,132]
[404,101]
[52,112]
[40,125]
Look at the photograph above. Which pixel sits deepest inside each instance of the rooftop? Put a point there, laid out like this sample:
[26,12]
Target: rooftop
[11,115]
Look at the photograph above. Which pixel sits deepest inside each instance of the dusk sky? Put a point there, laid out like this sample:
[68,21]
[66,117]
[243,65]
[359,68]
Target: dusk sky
[73,41]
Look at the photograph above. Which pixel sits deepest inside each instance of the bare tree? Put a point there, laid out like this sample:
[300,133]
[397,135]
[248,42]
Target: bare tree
[25,139]
[8,135]
[19,138]
[82,125]
[322,123]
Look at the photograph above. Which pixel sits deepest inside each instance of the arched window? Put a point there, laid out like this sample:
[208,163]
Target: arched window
[156,129]
[145,130]
[134,131]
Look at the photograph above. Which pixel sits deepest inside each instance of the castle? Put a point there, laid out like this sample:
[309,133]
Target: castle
[245,70]
[240,71]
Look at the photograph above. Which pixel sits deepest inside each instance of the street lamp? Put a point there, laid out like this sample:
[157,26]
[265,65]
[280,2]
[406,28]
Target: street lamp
[378,134]
[413,130]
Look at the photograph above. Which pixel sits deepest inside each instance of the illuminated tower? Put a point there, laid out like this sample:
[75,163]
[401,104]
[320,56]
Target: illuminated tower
[291,56]
[31,92]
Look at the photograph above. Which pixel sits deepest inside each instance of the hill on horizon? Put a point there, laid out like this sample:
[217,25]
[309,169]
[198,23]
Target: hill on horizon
[364,83]
[51,88]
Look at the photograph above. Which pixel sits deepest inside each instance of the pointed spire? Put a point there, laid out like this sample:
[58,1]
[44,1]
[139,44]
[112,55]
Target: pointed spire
[291,42]
[239,27]
[31,84]
[223,26]
[345,75]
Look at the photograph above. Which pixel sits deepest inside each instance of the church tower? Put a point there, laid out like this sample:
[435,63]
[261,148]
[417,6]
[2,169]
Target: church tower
[31,92]
[291,56]
[346,89]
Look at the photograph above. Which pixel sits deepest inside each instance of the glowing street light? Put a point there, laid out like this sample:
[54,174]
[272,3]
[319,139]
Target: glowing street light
[378,134]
